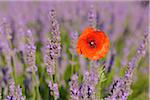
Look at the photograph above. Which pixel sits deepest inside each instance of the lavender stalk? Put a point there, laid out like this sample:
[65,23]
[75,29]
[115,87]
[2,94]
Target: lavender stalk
[31,49]
[120,89]
[8,47]
[15,93]
[92,17]
[52,49]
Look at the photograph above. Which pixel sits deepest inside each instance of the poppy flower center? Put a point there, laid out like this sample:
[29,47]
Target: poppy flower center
[92,44]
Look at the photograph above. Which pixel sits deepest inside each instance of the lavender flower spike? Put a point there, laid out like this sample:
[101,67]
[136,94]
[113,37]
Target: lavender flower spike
[54,88]
[49,60]
[120,89]
[92,17]
[19,95]
[52,47]
[11,90]
[12,87]
[91,79]
[31,49]
[55,34]
[14,93]
[74,88]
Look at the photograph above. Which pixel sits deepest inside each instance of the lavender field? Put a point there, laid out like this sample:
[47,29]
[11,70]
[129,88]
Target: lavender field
[39,57]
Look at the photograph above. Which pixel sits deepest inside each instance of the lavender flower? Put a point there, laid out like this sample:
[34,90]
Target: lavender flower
[120,89]
[111,61]
[12,87]
[74,38]
[49,60]
[142,48]
[74,88]
[15,93]
[55,34]
[72,49]
[4,44]
[19,95]
[20,34]
[91,79]
[50,85]
[92,17]
[30,51]
[54,88]
[6,75]
[52,48]
[11,90]
[88,88]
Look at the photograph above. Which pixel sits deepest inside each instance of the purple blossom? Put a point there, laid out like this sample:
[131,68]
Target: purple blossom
[4,43]
[74,88]
[54,88]
[52,48]
[49,60]
[30,53]
[20,34]
[142,47]
[120,89]
[19,95]
[91,79]
[92,17]
[15,93]
[74,38]
[55,34]
[6,74]
[12,87]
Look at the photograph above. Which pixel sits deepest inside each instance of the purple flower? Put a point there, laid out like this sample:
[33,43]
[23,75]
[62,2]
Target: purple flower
[19,95]
[91,79]
[74,38]
[120,89]
[54,88]
[74,88]
[88,88]
[92,17]
[30,52]
[142,47]
[12,87]
[49,60]
[15,93]
[55,34]
[6,75]
[4,43]
[52,46]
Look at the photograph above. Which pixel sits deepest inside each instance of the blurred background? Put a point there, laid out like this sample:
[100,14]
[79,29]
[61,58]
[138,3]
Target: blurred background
[124,22]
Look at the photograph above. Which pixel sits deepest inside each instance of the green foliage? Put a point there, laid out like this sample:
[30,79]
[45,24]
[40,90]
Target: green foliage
[102,77]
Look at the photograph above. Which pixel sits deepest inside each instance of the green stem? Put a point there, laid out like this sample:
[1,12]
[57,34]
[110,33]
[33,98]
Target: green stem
[14,68]
[99,90]
[55,98]
[12,54]
[72,66]
[56,71]
[36,87]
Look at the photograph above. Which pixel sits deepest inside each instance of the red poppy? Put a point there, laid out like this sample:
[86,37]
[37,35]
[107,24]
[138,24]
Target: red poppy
[93,44]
